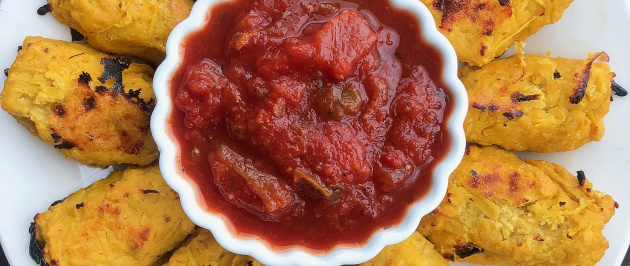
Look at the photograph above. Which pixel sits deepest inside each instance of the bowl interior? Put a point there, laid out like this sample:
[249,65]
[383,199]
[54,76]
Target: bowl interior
[188,192]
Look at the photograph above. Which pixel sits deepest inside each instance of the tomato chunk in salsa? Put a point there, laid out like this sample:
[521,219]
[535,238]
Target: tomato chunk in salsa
[310,123]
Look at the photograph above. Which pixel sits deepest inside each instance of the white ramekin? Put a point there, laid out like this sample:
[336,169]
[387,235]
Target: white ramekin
[170,157]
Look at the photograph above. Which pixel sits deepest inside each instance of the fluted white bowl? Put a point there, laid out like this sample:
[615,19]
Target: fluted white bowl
[170,153]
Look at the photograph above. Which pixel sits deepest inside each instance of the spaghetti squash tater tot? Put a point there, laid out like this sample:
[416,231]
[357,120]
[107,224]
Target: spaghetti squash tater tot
[501,210]
[201,249]
[536,103]
[131,217]
[131,27]
[414,251]
[92,106]
[481,30]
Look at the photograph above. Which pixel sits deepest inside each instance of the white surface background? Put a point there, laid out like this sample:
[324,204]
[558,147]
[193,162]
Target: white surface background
[33,175]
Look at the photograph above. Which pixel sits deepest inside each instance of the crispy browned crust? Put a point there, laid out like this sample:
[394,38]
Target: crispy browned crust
[202,249]
[131,27]
[129,218]
[481,30]
[486,14]
[89,105]
[537,103]
[582,78]
[35,249]
[499,209]
[415,250]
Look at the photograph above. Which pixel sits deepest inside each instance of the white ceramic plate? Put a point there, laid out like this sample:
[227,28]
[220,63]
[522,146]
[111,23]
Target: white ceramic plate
[33,175]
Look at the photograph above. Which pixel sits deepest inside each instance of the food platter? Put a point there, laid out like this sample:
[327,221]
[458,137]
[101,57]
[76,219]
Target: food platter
[33,175]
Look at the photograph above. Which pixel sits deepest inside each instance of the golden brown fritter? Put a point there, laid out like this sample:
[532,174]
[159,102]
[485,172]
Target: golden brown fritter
[481,30]
[131,27]
[537,103]
[71,95]
[415,250]
[501,210]
[201,249]
[131,217]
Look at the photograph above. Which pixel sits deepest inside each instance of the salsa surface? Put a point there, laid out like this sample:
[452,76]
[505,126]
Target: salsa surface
[310,123]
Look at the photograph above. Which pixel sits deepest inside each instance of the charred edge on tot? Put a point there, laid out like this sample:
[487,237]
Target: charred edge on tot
[581,177]
[76,35]
[45,9]
[618,90]
[580,90]
[113,69]
[464,250]
[35,250]
[65,145]
[134,96]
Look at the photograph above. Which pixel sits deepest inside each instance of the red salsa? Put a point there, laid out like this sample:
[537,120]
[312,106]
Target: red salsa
[310,123]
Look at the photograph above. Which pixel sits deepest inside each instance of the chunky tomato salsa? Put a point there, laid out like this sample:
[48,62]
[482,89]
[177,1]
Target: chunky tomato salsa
[310,123]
